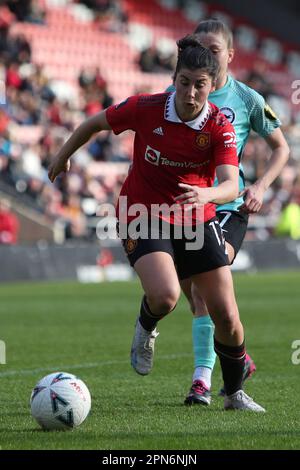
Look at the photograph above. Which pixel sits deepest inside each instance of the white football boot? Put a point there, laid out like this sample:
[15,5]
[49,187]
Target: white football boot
[240,401]
[142,349]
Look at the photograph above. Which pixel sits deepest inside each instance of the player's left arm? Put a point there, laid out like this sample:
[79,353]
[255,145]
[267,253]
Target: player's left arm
[226,190]
[254,194]
[227,172]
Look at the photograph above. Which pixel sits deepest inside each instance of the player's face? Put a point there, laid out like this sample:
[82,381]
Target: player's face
[192,90]
[217,43]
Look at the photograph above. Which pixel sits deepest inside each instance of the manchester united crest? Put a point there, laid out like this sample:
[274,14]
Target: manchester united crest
[130,245]
[203,140]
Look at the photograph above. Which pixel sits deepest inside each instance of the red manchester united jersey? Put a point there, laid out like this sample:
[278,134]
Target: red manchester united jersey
[168,151]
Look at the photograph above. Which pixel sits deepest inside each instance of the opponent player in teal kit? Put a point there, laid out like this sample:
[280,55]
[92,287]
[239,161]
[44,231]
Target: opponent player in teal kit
[246,110]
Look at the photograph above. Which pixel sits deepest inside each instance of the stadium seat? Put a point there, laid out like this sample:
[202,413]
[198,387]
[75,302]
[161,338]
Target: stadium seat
[65,45]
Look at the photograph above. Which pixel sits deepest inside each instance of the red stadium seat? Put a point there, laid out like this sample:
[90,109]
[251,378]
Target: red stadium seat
[65,45]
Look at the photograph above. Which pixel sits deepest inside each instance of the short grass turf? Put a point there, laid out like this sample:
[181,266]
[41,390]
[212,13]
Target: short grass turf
[87,330]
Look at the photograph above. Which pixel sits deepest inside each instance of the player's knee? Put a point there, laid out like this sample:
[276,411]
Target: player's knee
[226,315]
[167,303]
[228,325]
[164,301]
[228,321]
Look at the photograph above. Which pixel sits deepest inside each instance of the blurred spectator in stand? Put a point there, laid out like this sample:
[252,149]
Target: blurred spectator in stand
[109,15]
[99,80]
[52,200]
[30,162]
[289,221]
[72,212]
[54,112]
[13,48]
[36,81]
[9,224]
[288,224]
[105,258]
[156,59]
[148,60]
[166,55]
[13,78]
[27,10]
[4,122]
[95,93]
[20,8]
[91,76]
[257,79]
[37,14]
[6,19]
[101,6]
[21,49]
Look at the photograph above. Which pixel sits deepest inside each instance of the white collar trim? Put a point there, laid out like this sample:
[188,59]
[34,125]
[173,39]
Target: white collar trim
[171,114]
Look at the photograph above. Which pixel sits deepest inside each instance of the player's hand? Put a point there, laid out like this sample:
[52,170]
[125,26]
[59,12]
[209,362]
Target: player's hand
[193,196]
[56,167]
[253,199]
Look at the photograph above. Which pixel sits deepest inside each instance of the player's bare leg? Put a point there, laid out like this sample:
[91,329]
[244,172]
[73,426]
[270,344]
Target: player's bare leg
[216,288]
[160,283]
[203,345]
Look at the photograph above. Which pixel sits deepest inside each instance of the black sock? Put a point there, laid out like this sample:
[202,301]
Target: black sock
[232,359]
[147,319]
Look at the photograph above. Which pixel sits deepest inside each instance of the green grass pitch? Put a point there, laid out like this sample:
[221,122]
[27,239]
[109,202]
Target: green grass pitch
[87,330]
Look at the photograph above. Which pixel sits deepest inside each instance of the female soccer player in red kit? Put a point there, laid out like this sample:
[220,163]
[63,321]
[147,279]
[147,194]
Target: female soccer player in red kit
[181,142]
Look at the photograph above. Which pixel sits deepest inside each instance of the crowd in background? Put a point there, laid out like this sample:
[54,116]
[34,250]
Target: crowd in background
[30,101]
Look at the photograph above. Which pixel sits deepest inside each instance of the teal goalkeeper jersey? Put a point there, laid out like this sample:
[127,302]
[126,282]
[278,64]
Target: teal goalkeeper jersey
[246,110]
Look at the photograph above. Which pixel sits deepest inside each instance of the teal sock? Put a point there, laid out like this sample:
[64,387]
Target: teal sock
[203,342]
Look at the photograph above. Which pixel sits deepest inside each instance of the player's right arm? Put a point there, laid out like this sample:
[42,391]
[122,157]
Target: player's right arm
[80,136]
[117,118]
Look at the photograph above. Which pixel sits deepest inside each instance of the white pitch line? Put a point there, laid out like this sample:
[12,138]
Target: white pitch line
[87,365]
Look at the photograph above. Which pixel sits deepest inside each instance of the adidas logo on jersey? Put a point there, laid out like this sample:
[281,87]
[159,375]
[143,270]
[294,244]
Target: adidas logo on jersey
[158,131]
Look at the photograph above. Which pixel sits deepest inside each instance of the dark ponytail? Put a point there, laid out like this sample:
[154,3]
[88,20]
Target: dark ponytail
[192,55]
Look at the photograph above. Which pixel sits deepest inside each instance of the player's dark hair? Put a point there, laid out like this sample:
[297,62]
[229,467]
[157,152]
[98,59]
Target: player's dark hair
[192,55]
[213,25]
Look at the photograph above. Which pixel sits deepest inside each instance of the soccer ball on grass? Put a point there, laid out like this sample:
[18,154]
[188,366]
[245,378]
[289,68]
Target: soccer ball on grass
[60,401]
